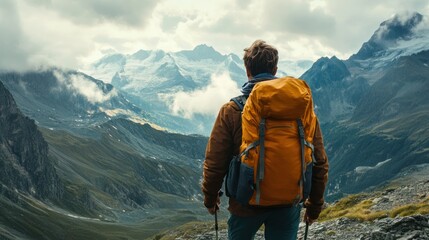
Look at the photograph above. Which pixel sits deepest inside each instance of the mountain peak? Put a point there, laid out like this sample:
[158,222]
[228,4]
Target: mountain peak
[6,99]
[205,51]
[141,54]
[202,51]
[204,47]
[399,27]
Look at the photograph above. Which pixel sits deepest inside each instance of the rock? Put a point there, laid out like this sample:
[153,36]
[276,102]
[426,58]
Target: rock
[318,228]
[411,236]
[24,161]
[380,200]
[387,191]
[379,235]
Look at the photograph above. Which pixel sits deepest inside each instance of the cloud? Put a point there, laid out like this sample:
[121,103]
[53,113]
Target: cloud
[206,101]
[86,12]
[423,27]
[13,52]
[298,17]
[170,23]
[68,34]
[357,20]
[80,85]
[239,23]
[402,20]
[73,34]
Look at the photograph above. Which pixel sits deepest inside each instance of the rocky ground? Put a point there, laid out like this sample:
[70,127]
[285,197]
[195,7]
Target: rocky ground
[404,203]
[404,228]
[412,227]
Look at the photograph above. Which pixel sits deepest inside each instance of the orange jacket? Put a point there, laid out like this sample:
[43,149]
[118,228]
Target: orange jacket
[225,141]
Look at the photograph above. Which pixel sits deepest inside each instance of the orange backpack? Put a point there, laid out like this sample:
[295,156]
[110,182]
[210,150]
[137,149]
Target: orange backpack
[278,124]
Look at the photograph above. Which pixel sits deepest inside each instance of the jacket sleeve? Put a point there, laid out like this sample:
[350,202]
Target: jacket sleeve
[320,176]
[219,152]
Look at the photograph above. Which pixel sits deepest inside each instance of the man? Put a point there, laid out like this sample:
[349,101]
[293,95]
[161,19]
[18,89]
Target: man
[260,60]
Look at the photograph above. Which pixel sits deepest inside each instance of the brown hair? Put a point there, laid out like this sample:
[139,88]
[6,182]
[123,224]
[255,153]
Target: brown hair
[260,57]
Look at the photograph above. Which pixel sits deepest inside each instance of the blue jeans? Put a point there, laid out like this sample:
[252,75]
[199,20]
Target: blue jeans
[280,224]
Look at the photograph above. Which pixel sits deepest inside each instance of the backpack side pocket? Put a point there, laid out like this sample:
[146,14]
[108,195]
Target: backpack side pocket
[245,186]
[231,181]
[307,181]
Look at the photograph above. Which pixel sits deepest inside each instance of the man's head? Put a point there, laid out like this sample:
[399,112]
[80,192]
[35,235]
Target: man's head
[260,58]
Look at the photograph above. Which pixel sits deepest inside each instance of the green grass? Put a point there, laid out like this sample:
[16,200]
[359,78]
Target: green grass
[355,206]
[358,206]
[411,209]
[116,174]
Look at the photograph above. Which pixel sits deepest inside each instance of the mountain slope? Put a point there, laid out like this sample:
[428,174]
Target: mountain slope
[387,36]
[68,100]
[118,175]
[24,162]
[152,142]
[124,179]
[373,106]
[335,91]
[91,149]
[400,92]
[338,85]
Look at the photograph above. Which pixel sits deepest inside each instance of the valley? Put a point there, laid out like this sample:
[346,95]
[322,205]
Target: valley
[115,152]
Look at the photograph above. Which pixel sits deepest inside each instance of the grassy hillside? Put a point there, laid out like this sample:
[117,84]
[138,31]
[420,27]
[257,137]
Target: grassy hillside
[111,191]
[32,219]
[363,156]
[114,175]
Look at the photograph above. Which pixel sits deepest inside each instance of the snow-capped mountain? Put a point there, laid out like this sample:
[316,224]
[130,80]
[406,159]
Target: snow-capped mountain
[374,106]
[182,90]
[401,35]
[293,68]
[149,71]
[172,85]
[338,85]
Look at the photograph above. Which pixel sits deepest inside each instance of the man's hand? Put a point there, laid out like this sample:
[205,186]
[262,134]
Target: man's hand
[213,210]
[307,219]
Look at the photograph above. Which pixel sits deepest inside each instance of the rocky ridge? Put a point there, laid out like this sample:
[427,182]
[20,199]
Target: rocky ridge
[24,162]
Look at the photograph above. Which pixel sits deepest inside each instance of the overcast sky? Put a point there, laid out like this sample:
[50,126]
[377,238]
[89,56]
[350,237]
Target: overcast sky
[73,33]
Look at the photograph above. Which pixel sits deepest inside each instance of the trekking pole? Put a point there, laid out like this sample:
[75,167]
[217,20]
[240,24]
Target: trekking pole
[306,230]
[216,225]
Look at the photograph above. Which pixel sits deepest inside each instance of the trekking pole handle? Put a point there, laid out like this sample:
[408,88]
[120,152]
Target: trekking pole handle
[220,193]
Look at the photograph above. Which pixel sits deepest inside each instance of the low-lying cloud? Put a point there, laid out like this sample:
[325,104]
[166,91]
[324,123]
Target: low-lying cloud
[80,85]
[205,101]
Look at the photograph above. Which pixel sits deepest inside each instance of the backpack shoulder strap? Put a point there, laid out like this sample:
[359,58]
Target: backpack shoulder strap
[240,101]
